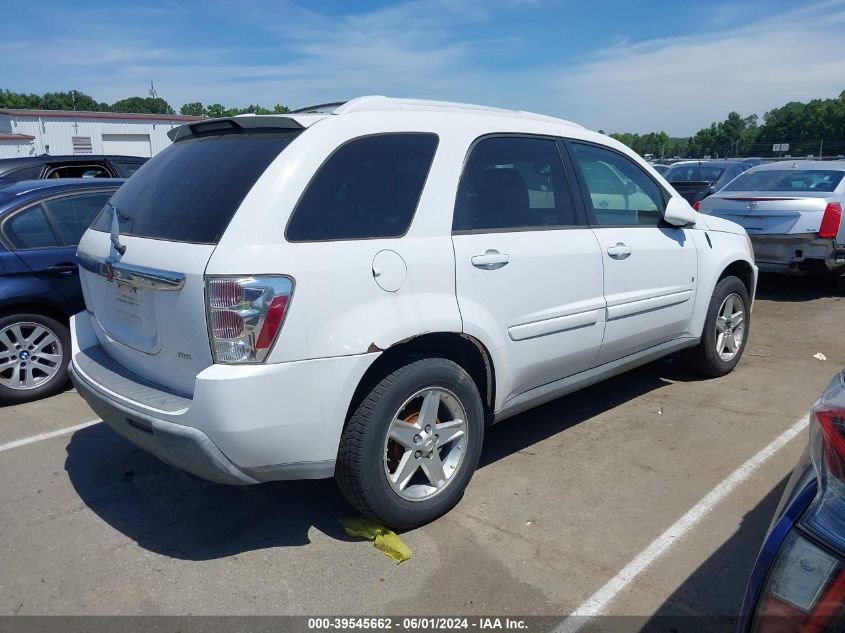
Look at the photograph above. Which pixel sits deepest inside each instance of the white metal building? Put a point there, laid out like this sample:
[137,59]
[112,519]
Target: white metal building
[60,132]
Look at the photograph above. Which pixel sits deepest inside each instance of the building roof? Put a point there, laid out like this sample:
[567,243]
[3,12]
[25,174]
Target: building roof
[16,137]
[71,114]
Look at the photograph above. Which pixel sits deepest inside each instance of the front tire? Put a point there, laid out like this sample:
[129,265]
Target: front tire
[411,447]
[34,355]
[725,330]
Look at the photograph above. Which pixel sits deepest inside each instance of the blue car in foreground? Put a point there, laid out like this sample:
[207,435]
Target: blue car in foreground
[798,582]
[41,222]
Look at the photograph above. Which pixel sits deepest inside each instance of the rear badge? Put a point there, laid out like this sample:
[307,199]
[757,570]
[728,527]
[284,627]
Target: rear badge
[184,356]
[752,206]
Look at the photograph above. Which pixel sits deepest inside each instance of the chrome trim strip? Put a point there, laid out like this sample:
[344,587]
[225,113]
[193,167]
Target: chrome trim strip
[137,276]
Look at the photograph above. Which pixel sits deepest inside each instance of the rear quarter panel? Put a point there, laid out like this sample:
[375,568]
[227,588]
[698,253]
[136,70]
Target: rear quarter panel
[337,308]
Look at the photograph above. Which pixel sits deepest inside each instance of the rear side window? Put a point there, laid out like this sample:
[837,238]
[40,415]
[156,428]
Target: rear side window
[693,173]
[72,215]
[513,182]
[369,188]
[190,191]
[79,171]
[29,229]
[27,173]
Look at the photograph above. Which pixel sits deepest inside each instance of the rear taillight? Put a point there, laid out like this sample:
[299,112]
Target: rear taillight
[832,423]
[826,515]
[245,315]
[697,205]
[831,220]
[804,592]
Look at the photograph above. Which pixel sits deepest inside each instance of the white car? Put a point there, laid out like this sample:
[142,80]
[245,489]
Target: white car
[357,293]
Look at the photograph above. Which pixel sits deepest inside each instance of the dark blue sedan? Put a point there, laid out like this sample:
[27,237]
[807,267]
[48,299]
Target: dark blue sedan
[41,222]
[798,582]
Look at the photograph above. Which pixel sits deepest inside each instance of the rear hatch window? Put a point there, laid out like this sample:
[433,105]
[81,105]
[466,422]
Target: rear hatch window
[190,191]
[693,173]
[789,180]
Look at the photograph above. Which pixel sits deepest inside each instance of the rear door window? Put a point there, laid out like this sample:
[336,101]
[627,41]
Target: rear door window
[369,188]
[190,191]
[72,215]
[30,229]
[515,183]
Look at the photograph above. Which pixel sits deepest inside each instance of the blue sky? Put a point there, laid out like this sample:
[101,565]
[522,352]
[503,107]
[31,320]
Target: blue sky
[619,66]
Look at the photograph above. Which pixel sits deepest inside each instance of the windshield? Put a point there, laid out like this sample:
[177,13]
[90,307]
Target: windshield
[693,173]
[787,180]
[190,191]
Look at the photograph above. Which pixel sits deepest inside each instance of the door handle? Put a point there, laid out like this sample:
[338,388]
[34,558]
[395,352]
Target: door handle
[491,260]
[65,269]
[620,251]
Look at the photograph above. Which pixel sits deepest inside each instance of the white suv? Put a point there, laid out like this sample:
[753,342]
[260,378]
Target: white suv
[357,293]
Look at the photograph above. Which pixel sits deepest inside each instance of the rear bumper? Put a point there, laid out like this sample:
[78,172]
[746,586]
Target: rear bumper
[180,446]
[797,254]
[243,425]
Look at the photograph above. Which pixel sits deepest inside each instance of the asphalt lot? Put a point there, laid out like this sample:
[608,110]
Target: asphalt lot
[566,496]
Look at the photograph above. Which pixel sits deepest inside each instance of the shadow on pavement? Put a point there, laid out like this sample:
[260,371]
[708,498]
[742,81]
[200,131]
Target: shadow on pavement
[536,425]
[771,287]
[711,598]
[176,514]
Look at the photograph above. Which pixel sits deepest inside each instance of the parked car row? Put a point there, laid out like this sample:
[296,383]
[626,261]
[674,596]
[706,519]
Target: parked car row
[41,223]
[792,212]
[562,260]
[82,166]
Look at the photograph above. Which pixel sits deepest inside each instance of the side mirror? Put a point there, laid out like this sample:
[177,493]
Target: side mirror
[630,188]
[678,212]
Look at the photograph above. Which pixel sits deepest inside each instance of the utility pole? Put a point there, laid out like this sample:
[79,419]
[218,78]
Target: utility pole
[153,92]
[821,148]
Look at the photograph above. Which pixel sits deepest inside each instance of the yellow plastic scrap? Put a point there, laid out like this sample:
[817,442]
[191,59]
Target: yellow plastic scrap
[384,539]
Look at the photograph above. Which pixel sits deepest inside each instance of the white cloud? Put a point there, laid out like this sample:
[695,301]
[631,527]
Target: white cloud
[682,84]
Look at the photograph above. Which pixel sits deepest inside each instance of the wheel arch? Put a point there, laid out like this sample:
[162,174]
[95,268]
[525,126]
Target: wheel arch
[464,350]
[742,270]
[35,308]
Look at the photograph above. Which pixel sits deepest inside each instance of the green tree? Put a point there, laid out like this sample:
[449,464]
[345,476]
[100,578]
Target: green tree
[50,101]
[195,108]
[142,105]
[216,110]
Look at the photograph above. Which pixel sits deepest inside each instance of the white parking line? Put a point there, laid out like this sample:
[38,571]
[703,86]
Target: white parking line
[600,600]
[46,436]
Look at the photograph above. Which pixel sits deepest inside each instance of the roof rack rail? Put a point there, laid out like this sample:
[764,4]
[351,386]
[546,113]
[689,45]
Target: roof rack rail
[375,103]
[320,108]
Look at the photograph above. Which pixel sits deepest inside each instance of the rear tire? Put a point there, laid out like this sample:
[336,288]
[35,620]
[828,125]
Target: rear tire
[725,330]
[34,355]
[406,455]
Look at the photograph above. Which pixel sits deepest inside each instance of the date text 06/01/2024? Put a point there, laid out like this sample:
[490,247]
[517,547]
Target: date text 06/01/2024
[416,623]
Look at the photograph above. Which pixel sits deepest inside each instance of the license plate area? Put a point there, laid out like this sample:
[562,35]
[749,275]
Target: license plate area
[128,315]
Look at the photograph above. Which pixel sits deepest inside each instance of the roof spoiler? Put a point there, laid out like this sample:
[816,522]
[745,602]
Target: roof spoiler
[235,123]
